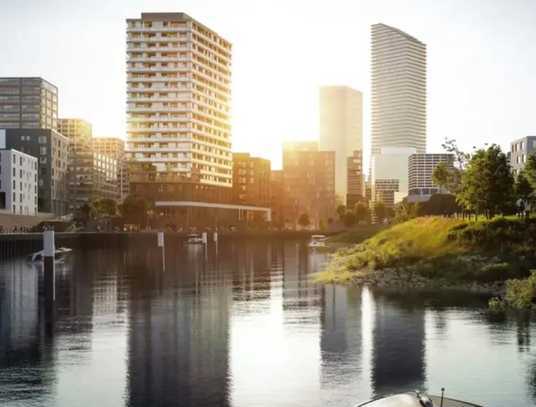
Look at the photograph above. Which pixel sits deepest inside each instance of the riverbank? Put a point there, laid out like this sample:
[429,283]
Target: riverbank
[439,252]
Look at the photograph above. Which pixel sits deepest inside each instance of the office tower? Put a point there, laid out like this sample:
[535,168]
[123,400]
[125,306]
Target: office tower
[341,129]
[398,90]
[309,181]
[18,182]
[28,103]
[52,150]
[355,179]
[115,147]
[178,98]
[520,150]
[91,176]
[251,180]
[420,172]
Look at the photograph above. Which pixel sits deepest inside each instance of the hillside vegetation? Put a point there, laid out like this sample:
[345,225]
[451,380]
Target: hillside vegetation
[439,249]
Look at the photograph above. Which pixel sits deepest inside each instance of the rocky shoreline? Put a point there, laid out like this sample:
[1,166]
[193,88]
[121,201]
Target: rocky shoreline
[404,279]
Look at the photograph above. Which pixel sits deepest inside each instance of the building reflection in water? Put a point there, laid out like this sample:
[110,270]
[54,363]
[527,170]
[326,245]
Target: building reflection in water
[398,359]
[24,349]
[178,337]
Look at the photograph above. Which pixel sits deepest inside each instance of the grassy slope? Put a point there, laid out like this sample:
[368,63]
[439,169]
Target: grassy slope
[436,246]
[357,234]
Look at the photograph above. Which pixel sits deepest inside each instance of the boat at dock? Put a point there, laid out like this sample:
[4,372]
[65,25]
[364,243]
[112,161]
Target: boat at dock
[59,255]
[416,399]
[194,239]
[317,241]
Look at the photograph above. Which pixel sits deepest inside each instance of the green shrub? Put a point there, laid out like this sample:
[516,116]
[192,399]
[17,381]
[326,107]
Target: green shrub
[520,294]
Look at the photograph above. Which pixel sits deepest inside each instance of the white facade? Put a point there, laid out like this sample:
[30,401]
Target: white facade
[341,129]
[178,97]
[398,90]
[18,182]
[392,164]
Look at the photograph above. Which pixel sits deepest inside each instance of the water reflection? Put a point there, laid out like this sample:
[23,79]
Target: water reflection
[244,325]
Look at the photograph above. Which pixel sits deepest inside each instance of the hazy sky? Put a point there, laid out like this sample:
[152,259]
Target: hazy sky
[481,61]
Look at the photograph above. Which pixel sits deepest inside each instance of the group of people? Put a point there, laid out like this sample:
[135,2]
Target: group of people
[15,229]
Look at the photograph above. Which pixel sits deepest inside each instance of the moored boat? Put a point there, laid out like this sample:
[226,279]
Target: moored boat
[59,254]
[194,238]
[317,241]
[416,399]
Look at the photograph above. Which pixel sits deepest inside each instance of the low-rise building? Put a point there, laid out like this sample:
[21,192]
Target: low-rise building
[520,150]
[18,182]
[309,181]
[355,179]
[91,175]
[251,180]
[420,175]
[52,151]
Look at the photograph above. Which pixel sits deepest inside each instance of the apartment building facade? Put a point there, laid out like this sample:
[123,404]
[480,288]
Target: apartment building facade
[52,151]
[520,150]
[28,103]
[18,183]
[178,98]
[309,182]
[114,147]
[251,180]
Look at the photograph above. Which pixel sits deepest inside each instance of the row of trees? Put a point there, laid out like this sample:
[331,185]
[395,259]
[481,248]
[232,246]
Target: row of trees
[361,213]
[483,183]
[133,210]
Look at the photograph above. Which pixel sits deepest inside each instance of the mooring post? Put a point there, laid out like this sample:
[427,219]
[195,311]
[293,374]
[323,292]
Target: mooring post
[215,238]
[161,244]
[49,249]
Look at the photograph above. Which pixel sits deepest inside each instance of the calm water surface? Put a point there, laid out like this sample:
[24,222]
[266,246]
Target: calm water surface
[244,327]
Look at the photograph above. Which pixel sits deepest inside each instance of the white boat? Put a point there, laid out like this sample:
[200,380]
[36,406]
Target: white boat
[194,238]
[59,254]
[317,241]
[416,399]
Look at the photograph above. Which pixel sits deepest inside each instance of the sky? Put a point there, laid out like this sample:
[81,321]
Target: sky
[481,61]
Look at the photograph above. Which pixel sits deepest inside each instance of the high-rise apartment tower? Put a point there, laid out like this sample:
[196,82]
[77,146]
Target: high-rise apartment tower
[398,90]
[178,98]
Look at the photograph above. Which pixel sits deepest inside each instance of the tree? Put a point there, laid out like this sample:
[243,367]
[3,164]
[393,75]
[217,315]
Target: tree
[380,211]
[530,170]
[361,212]
[454,174]
[441,175]
[341,211]
[349,219]
[524,194]
[406,210]
[105,207]
[303,220]
[487,185]
[134,210]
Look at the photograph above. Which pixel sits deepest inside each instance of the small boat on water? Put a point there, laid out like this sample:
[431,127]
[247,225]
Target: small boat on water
[416,399]
[194,238]
[59,254]
[317,241]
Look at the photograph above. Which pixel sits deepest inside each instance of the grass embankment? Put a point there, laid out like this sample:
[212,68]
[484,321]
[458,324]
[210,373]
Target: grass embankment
[357,234]
[441,250]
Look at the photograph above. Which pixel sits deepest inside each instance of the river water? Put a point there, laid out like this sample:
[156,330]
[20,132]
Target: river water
[244,326]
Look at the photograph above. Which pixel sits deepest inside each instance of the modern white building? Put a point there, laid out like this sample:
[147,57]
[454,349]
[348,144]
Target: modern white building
[341,129]
[420,172]
[398,90]
[18,182]
[178,98]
